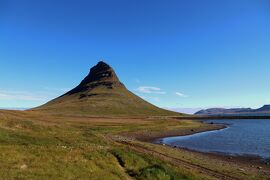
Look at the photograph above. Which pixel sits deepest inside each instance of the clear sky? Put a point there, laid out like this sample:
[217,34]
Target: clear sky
[173,53]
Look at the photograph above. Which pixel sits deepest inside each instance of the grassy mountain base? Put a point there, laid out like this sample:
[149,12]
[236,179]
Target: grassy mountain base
[104,102]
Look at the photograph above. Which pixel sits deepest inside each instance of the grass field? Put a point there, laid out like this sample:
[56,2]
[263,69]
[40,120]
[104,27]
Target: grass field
[35,145]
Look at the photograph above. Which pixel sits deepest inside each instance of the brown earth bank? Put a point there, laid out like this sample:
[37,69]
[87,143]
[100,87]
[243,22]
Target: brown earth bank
[151,136]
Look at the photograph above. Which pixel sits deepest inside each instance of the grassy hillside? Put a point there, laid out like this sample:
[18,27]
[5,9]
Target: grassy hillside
[35,145]
[105,102]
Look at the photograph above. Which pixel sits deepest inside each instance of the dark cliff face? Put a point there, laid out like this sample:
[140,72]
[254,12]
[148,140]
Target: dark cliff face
[100,75]
[100,72]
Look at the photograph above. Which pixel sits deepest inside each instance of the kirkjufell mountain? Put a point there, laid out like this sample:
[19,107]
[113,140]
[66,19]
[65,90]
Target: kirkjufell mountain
[101,93]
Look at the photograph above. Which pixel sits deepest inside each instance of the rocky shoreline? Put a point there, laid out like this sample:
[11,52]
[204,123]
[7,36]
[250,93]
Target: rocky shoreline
[154,137]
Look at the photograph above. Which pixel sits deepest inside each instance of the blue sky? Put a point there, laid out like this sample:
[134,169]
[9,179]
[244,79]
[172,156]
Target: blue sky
[176,53]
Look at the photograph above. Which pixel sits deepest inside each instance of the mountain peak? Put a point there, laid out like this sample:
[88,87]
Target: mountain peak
[101,74]
[102,63]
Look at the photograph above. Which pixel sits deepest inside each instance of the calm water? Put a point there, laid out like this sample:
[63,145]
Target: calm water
[242,137]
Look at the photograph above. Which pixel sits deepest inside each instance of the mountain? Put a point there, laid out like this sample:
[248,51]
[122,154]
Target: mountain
[102,94]
[221,111]
[265,110]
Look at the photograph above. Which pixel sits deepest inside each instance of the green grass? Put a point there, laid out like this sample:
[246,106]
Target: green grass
[34,145]
[142,167]
[53,152]
[69,149]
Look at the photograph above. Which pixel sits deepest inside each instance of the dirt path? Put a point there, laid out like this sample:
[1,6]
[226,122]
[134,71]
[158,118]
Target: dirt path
[175,161]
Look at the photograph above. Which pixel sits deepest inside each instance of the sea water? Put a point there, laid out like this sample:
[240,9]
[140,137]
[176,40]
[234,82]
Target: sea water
[241,137]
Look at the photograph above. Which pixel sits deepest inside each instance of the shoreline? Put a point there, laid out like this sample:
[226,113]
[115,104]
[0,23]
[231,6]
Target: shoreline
[224,156]
[251,159]
[204,161]
[153,137]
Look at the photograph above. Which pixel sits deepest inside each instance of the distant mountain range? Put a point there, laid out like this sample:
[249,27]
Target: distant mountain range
[265,110]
